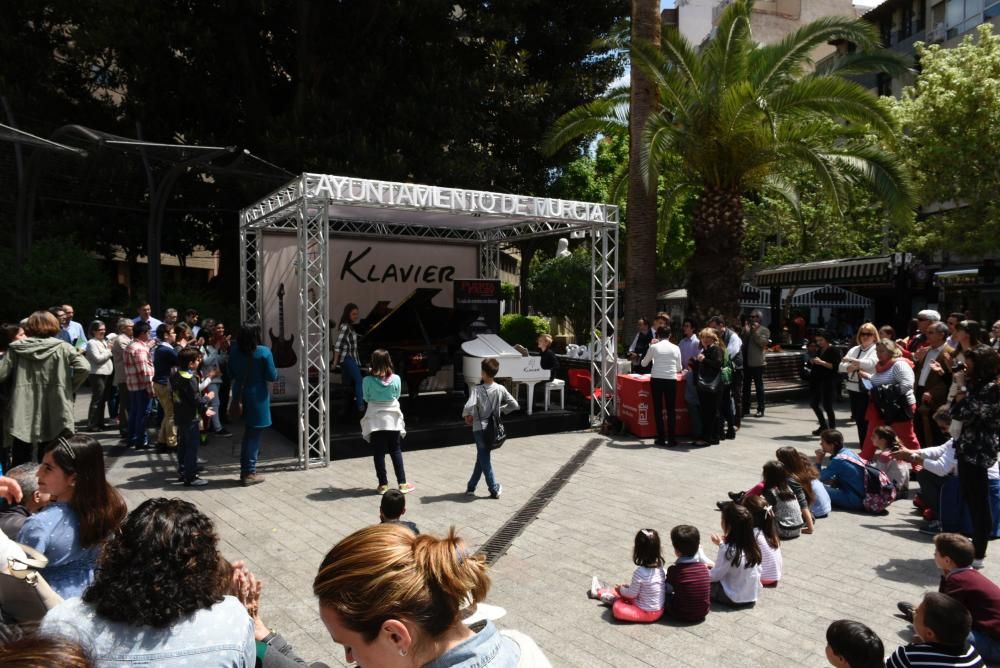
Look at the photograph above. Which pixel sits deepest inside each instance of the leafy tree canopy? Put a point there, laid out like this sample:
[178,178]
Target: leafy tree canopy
[560,288]
[434,91]
[951,123]
[737,115]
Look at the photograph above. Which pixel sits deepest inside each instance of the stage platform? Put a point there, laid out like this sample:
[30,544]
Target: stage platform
[434,421]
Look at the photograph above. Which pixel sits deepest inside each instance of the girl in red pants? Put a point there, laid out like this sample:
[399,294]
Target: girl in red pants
[642,600]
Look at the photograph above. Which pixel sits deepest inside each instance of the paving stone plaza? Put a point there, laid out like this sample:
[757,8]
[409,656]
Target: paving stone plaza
[855,566]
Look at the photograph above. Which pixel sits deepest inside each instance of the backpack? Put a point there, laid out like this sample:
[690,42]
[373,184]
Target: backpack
[494,434]
[879,490]
[727,368]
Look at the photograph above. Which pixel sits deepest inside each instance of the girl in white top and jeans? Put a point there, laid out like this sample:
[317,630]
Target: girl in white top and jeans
[666,360]
[642,600]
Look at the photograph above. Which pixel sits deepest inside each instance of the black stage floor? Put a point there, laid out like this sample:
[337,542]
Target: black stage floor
[434,421]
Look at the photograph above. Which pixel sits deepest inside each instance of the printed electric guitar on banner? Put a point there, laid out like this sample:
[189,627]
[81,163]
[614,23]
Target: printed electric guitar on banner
[282,348]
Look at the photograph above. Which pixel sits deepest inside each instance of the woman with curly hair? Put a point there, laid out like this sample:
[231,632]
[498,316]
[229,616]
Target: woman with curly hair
[977,405]
[85,510]
[393,598]
[158,596]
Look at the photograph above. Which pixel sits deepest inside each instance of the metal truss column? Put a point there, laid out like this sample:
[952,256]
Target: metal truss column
[251,269]
[603,319]
[489,256]
[314,333]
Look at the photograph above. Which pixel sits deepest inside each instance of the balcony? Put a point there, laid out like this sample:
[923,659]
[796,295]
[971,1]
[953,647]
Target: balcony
[937,35]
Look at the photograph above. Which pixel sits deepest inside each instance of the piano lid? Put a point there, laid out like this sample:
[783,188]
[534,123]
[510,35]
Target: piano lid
[416,318]
[489,345]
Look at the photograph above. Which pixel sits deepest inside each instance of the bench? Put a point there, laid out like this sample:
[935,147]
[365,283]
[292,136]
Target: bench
[782,375]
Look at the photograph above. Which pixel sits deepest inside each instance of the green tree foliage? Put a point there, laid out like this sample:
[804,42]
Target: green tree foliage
[738,116]
[457,94]
[523,329]
[56,272]
[561,289]
[951,123]
[778,232]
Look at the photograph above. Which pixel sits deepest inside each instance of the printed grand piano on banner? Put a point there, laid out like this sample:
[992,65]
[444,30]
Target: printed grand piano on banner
[519,368]
[421,338]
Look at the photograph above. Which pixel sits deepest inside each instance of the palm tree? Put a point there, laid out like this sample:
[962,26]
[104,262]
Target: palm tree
[640,268]
[738,116]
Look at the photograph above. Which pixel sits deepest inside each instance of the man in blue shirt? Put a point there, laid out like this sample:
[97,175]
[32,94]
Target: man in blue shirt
[74,328]
[146,315]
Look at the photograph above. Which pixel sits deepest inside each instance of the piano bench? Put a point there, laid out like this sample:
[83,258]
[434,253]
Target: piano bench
[556,386]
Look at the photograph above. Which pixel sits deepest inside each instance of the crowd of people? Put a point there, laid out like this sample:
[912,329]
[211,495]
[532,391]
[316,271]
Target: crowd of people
[150,587]
[176,378]
[927,405]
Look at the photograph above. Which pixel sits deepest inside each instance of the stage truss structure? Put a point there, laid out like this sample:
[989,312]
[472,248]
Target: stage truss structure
[320,208]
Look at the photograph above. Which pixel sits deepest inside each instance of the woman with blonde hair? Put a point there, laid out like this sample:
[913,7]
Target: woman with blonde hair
[393,598]
[891,369]
[708,376]
[860,358]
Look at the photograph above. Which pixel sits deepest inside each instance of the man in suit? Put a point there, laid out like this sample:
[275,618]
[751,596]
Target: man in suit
[932,378]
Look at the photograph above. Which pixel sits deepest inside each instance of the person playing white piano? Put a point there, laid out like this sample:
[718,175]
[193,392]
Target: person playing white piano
[549,361]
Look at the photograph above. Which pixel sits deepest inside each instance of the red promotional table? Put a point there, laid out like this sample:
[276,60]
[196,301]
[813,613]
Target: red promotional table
[635,400]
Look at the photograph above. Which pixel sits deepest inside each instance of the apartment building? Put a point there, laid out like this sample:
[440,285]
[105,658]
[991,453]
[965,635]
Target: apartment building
[902,23]
[771,20]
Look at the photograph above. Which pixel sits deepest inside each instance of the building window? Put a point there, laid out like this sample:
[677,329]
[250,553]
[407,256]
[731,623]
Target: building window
[906,24]
[991,10]
[884,84]
[885,30]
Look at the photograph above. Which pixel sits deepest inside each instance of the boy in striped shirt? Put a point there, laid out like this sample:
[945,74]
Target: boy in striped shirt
[942,639]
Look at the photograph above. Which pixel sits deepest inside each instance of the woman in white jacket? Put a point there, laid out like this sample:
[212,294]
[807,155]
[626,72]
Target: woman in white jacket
[102,370]
[860,358]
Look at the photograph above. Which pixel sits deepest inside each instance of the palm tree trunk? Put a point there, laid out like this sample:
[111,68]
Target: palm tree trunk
[640,228]
[715,270]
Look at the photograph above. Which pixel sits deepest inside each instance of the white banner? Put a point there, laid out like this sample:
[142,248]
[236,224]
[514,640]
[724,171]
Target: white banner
[362,272]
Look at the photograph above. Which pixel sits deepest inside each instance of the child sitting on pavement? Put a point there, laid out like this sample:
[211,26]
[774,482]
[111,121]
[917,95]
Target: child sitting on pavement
[942,636]
[851,644]
[393,507]
[791,509]
[953,555]
[886,443]
[844,475]
[736,575]
[689,586]
[766,533]
[642,600]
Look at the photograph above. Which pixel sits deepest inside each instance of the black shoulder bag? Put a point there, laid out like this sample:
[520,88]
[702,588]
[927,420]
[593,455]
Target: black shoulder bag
[494,433]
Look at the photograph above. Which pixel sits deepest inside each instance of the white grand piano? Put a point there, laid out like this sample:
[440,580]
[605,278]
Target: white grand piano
[514,365]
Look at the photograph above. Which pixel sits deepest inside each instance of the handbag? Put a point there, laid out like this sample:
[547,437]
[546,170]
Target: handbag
[25,596]
[712,385]
[892,403]
[494,434]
